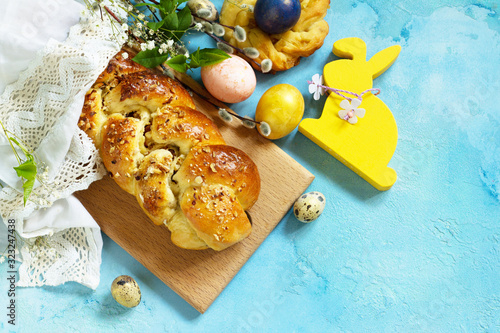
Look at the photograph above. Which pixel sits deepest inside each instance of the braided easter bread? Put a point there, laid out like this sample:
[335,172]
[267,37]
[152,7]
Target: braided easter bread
[285,49]
[158,147]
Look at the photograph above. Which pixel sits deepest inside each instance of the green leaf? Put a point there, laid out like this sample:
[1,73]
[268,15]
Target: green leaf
[150,58]
[28,188]
[168,6]
[206,57]
[27,169]
[171,22]
[155,25]
[178,63]
[194,59]
[185,19]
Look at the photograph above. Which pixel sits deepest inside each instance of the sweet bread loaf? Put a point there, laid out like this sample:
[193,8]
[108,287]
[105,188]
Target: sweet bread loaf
[285,49]
[158,147]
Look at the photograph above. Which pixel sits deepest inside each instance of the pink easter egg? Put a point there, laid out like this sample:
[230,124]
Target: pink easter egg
[231,81]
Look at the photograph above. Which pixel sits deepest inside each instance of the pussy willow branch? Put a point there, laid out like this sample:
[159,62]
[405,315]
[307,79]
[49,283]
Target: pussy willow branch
[218,39]
[204,19]
[179,77]
[209,34]
[243,118]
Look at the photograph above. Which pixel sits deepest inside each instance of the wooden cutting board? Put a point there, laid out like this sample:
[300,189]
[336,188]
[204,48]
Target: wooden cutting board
[200,276]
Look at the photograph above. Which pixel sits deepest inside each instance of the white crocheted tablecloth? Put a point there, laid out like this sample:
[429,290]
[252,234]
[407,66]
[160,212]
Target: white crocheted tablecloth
[62,241]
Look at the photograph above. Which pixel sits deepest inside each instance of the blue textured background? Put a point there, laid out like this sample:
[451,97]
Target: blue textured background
[423,256]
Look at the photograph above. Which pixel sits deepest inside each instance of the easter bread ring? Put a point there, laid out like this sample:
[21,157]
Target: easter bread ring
[171,157]
[285,49]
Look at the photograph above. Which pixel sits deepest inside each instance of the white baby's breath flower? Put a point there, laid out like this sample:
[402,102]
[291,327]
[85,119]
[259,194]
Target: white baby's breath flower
[124,26]
[151,45]
[198,26]
[141,17]
[130,8]
[170,43]
[160,51]
[138,25]
[144,46]
[137,33]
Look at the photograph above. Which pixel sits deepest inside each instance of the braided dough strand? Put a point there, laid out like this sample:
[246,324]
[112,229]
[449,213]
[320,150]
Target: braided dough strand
[285,49]
[171,157]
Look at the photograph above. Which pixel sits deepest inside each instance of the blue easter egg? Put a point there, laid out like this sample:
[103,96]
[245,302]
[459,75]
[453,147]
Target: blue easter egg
[276,16]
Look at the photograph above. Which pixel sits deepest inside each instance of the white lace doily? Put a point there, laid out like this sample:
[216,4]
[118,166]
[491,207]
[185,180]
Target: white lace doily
[69,255]
[42,107]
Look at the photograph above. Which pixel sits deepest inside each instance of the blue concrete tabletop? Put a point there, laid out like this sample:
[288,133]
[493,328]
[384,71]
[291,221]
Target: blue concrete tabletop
[421,257]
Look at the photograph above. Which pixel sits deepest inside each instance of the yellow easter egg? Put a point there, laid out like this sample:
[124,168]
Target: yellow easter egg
[282,108]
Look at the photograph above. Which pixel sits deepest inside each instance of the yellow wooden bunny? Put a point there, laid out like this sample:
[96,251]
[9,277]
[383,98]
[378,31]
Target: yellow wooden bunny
[363,138]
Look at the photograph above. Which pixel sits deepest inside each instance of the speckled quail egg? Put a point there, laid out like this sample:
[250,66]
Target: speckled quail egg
[309,206]
[126,291]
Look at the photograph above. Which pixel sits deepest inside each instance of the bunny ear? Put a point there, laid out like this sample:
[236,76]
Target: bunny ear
[381,61]
[350,48]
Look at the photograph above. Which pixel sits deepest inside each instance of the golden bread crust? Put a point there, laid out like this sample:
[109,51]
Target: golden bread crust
[224,165]
[171,157]
[149,90]
[153,186]
[219,222]
[120,149]
[217,183]
[285,49]
[185,127]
